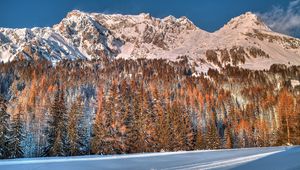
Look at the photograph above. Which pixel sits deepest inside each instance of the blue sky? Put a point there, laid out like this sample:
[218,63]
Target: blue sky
[206,14]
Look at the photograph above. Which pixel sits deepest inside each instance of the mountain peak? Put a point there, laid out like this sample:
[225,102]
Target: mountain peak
[246,21]
[145,15]
[183,20]
[75,18]
[75,12]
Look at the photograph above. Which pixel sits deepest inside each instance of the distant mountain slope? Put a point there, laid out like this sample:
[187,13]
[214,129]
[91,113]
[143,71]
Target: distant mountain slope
[244,41]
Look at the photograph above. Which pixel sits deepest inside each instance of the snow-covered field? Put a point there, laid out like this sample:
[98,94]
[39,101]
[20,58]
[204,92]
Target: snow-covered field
[254,158]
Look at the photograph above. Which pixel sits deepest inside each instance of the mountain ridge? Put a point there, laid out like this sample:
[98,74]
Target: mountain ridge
[244,41]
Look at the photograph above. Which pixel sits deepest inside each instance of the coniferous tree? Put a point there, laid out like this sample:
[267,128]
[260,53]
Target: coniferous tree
[17,136]
[188,131]
[74,129]
[200,142]
[286,113]
[127,117]
[136,127]
[113,123]
[227,139]
[163,128]
[4,129]
[212,137]
[156,120]
[56,144]
[177,133]
[131,132]
[146,121]
[182,134]
[152,139]
[99,143]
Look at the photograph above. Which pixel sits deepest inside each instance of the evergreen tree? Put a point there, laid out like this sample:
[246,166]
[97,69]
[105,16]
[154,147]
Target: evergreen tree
[182,133]
[99,144]
[149,122]
[163,128]
[17,135]
[188,131]
[227,139]
[5,150]
[75,142]
[212,137]
[135,124]
[56,144]
[200,142]
[142,116]
[157,117]
[113,122]
[126,116]
[176,126]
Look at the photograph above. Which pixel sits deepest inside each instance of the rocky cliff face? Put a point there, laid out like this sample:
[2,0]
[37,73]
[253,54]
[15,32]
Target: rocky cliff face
[244,41]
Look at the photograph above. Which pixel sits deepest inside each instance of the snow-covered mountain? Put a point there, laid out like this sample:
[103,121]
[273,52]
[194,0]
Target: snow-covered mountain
[244,41]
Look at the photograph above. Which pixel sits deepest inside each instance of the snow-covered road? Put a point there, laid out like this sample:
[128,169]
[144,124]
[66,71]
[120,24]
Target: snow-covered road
[254,158]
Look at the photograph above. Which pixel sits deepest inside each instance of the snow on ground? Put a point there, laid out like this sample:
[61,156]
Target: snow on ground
[223,163]
[257,158]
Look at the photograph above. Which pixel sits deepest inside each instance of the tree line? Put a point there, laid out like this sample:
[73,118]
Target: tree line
[128,106]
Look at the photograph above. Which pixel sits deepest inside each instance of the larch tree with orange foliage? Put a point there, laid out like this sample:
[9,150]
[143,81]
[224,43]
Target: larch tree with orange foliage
[98,142]
[286,114]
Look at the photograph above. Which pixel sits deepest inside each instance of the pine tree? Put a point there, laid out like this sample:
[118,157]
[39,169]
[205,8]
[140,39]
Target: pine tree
[146,122]
[132,141]
[176,124]
[188,133]
[135,120]
[56,144]
[74,130]
[182,133]
[157,117]
[113,123]
[4,129]
[200,142]
[227,139]
[99,145]
[17,136]
[163,128]
[212,137]
[57,149]
[126,116]
[152,139]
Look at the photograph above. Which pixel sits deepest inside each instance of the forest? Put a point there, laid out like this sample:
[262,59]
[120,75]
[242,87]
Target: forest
[133,106]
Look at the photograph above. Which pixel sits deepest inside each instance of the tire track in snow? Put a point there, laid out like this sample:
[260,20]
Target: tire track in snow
[222,163]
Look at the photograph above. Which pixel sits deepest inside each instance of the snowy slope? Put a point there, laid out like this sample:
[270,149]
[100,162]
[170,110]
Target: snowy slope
[244,41]
[251,158]
[248,31]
